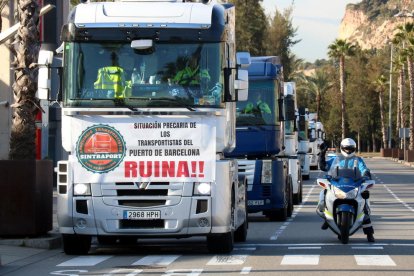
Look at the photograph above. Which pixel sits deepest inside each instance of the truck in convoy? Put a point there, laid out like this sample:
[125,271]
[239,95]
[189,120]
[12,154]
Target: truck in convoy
[148,104]
[303,146]
[292,141]
[259,136]
[316,135]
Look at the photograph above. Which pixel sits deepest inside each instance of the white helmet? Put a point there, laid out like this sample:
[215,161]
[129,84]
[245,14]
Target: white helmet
[348,147]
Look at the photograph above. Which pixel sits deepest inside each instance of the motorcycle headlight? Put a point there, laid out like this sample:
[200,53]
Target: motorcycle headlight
[352,193]
[342,195]
[339,193]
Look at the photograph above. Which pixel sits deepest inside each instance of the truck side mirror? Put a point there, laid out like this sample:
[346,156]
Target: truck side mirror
[289,109]
[302,123]
[281,113]
[241,84]
[44,77]
[243,59]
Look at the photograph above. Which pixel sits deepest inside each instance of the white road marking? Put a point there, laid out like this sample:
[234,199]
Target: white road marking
[300,260]
[85,261]
[367,247]
[157,260]
[317,244]
[246,270]
[228,260]
[374,260]
[304,247]
[131,272]
[245,248]
[398,199]
[279,231]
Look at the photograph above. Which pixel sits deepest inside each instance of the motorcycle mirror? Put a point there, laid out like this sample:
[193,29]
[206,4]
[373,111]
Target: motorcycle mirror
[322,182]
[370,183]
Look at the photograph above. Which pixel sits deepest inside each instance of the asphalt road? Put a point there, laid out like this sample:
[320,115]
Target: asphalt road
[297,246]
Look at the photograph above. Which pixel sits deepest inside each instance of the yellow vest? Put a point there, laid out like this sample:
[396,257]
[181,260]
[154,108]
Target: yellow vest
[111,78]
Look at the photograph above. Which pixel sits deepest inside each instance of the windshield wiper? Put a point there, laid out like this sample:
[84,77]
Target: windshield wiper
[177,101]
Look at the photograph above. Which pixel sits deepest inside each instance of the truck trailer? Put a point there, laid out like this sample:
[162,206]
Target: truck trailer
[148,104]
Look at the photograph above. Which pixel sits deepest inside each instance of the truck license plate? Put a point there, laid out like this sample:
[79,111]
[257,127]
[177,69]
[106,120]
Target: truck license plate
[142,214]
[255,202]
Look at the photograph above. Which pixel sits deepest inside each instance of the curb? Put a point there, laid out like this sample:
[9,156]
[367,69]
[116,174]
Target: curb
[49,241]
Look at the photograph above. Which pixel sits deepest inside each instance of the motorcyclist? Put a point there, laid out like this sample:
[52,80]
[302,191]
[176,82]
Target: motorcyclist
[348,148]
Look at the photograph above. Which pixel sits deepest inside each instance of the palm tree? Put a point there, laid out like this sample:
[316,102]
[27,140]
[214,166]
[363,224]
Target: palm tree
[318,83]
[399,67]
[405,36]
[380,86]
[340,49]
[3,3]
[26,105]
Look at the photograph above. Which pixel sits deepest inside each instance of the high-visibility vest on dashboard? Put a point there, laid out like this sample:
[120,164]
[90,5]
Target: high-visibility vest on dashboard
[111,78]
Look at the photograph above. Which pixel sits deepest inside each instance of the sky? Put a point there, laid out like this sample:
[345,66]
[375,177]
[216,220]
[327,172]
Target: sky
[317,22]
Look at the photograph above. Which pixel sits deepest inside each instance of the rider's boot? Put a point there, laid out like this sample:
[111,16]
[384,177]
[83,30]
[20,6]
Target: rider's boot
[324,225]
[370,237]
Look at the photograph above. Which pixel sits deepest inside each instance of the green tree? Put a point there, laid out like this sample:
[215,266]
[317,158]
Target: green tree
[251,27]
[405,35]
[26,50]
[3,3]
[380,85]
[318,83]
[339,50]
[280,40]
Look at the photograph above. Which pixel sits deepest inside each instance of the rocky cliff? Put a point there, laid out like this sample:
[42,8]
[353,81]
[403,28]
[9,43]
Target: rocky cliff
[371,23]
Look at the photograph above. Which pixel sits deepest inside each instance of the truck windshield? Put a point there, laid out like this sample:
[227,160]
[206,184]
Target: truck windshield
[261,108]
[167,75]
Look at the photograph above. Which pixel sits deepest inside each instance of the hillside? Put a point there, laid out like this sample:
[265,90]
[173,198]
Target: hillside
[371,23]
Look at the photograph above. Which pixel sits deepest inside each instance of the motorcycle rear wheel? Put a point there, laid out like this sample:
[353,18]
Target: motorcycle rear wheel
[345,220]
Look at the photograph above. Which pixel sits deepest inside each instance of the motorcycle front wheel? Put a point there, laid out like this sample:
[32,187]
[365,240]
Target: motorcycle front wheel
[345,222]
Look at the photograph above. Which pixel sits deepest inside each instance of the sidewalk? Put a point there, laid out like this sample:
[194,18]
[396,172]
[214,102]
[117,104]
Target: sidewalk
[12,250]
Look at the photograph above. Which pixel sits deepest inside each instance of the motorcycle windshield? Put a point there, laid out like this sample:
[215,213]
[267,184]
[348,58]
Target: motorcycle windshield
[344,173]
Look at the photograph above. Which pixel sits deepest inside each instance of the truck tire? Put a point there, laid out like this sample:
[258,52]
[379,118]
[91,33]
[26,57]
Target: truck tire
[241,233]
[224,243]
[289,194]
[76,244]
[298,198]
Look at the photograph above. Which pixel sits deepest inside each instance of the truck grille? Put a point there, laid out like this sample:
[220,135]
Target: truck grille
[267,191]
[246,168]
[148,194]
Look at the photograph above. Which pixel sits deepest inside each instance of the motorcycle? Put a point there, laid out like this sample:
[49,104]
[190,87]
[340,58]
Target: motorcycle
[346,195]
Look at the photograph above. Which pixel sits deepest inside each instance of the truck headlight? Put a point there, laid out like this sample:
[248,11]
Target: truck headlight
[202,188]
[267,171]
[82,189]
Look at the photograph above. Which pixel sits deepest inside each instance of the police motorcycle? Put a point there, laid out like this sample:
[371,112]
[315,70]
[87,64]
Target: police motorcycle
[346,193]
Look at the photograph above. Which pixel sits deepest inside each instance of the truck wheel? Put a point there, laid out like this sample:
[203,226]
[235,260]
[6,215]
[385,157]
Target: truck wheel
[241,233]
[76,244]
[297,198]
[289,195]
[223,243]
